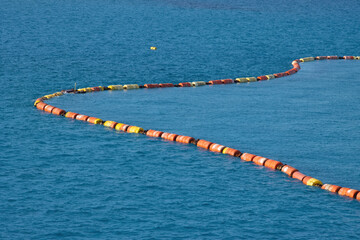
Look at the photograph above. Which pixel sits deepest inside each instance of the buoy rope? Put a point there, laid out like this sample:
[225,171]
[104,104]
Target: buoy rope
[214,147]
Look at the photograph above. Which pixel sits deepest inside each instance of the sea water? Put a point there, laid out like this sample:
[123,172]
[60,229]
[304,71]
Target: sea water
[65,179]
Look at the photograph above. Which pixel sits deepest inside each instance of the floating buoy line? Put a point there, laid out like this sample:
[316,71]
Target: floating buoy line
[213,147]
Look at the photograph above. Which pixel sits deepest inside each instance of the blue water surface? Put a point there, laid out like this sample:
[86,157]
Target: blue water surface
[65,179]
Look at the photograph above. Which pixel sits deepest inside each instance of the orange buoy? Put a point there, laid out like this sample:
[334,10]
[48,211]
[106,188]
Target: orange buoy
[332,57]
[306,179]
[232,152]
[94,120]
[289,170]
[333,188]
[214,82]
[348,57]
[48,108]
[41,106]
[71,115]
[152,85]
[247,157]
[259,160]
[279,75]
[111,124]
[227,81]
[58,111]
[297,67]
[291,71]
[298,175]
[216,148]
[154,133]
[81,117]
[185,139]
[123,127]
[203,144]
[165,135]
[352,193]
[96,89]
[169,136]
[330,188]
[163,85]
[273,164]
[185,84]
[342,191]
[262,78]
[321,57]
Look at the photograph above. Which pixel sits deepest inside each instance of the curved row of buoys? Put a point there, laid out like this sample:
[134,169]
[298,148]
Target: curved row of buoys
[201,143]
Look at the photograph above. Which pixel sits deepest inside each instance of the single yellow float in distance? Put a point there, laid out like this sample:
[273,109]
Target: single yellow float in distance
[153,48]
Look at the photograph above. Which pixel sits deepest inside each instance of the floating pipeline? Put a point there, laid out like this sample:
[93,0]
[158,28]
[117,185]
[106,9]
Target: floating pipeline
[203,144]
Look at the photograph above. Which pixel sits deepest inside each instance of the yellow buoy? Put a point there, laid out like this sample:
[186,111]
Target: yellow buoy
[82,90]
[108,123]
[131,86]
[116,87]
[199,83]
[251,79]
[241,80]
[314,182]
[118,126]
[307,59]
[135,129]
[270,76]
[36,102]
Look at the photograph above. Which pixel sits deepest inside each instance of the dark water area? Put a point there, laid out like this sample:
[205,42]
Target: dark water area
[64,179]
